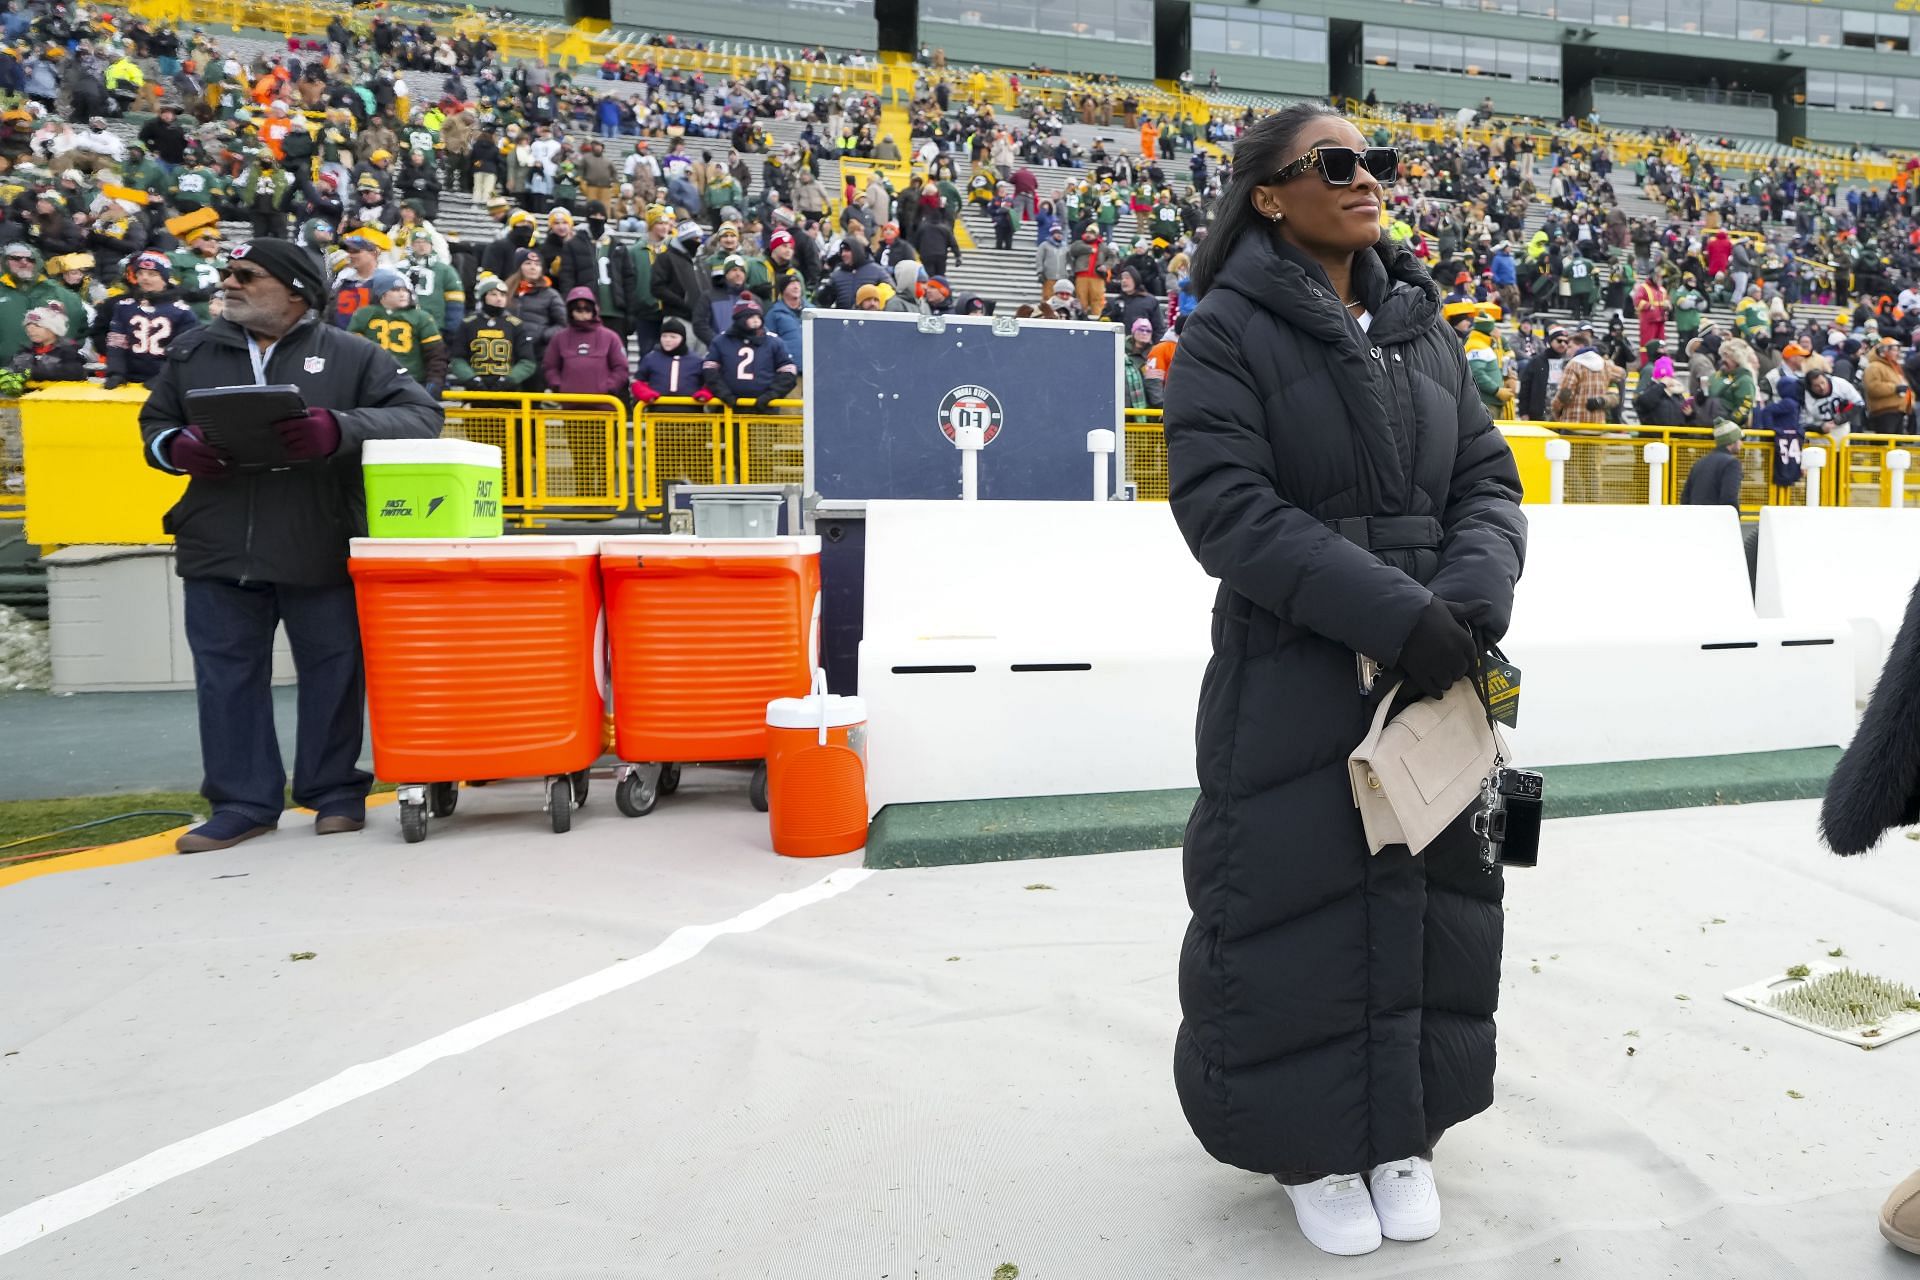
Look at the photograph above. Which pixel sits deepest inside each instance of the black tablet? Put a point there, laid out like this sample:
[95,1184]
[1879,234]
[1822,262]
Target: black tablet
[238,421]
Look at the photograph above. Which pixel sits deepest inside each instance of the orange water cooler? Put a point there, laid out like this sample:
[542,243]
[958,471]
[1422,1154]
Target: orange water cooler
[483,662]
[817,774]
[703,633]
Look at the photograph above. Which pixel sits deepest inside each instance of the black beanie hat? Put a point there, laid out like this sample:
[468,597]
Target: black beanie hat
[287,263]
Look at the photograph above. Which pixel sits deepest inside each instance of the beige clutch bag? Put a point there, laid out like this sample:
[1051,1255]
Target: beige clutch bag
[1414,774]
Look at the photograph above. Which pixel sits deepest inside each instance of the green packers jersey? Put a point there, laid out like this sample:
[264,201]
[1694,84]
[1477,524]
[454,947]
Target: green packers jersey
[402,334]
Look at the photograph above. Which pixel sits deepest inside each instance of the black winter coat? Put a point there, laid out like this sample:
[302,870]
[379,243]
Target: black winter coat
[570,263]
[289,526]
[1876,785]
[1338,1008]
[681,293]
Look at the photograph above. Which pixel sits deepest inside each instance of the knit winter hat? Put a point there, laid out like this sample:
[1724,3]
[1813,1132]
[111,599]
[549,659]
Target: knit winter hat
[385,279]
[485,283]
[1725,433]
[52,319]
[287,263]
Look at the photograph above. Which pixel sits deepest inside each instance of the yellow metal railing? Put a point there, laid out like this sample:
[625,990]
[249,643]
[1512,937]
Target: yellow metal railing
[13,470]
[1607,464]
[561,455]
[678,440]
[1859,476]
[1146,455]
[772,443]
[1622,146]
[587,458]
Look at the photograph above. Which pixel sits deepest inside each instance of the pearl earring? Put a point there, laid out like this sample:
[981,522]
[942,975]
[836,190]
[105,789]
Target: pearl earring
[1278,216]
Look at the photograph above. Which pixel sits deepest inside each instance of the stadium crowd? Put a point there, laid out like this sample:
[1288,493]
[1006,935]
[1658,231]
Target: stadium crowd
[684,266]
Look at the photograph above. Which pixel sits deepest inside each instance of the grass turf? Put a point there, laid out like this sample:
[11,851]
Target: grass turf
[22,819]
[37,824]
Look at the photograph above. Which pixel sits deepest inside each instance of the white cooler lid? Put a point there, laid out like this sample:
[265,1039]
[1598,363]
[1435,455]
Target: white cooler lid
[686,544]
[468,453]
[804,713]
[503,548]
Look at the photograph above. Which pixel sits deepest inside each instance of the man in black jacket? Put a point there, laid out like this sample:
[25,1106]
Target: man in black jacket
[1714,481]
[260,548]
[165,138]
[1535,375]
[677,285]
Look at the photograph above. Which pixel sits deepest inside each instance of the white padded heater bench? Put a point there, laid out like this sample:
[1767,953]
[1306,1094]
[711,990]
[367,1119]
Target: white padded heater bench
[1029,649]
[1637,639]
[1854,563]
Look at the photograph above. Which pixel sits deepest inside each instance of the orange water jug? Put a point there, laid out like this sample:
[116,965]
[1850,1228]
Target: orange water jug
[817,773]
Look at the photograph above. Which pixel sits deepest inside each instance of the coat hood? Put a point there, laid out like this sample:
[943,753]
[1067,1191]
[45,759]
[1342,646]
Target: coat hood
[1279,278]
[860,255]
[582,294]
[39,265]
[1589,359]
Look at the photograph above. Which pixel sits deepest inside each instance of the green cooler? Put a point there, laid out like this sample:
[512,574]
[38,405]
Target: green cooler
[432,488]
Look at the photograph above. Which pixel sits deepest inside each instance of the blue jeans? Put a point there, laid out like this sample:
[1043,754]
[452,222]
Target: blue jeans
[230,629]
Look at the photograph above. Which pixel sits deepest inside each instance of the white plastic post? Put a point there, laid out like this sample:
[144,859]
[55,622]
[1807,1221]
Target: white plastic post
[1813,461]
[1558,451]
[1898,462]
[1100,445]
[969,441]
[1656,455]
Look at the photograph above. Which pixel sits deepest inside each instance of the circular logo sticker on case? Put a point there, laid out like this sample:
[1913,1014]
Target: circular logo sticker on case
[971,406]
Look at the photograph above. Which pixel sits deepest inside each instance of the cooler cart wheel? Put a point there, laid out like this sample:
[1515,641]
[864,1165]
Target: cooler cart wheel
[443,798]
[669,779]
[413,822]
[560,803]
[580,781]
[757,789]
[636,793]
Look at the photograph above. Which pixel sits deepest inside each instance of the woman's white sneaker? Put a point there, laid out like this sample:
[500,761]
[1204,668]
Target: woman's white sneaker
[1405,1199]
[1336,1214]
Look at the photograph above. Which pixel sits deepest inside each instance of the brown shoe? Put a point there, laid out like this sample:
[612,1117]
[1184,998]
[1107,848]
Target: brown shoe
[1900,1216]
[337,824]
[222,831]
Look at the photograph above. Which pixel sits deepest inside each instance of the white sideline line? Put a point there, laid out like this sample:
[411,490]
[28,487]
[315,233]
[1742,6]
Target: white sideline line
[64,1208]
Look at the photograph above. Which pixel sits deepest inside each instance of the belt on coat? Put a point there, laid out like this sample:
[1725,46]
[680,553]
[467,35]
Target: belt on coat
[1389,533]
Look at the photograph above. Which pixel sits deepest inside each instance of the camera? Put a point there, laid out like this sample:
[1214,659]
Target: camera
[1508,820]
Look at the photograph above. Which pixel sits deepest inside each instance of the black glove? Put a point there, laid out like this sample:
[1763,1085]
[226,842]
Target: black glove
[1437,652]
[114,381]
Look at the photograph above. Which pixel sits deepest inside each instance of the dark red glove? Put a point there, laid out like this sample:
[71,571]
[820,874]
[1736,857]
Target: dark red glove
[644,393]
[702,396]
[189,451]
[314,434]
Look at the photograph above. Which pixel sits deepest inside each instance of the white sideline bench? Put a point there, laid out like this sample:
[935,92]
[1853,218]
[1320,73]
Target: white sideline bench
[1030,649]
[1033,648]
[1857,564]
[1637,639]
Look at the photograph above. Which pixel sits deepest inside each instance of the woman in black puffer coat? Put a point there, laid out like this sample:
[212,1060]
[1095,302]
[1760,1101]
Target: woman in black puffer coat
[1332,465]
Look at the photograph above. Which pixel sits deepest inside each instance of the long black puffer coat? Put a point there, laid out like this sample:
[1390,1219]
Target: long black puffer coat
[1338,1008]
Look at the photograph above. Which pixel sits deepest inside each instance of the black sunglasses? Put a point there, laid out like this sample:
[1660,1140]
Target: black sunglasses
[1339,165]
[243,275]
